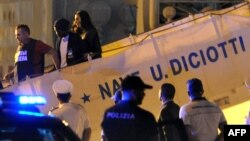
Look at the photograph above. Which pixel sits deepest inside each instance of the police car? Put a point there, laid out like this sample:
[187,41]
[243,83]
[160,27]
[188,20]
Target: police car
[21,121]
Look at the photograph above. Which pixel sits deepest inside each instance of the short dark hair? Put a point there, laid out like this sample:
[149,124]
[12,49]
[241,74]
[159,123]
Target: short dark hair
[167,90]
[195,87]
[64,97]
[23,27]
[62,24]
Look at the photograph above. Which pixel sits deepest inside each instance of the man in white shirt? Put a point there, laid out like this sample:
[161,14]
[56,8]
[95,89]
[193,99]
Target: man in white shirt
[74,114]
[70,47]
[201,117]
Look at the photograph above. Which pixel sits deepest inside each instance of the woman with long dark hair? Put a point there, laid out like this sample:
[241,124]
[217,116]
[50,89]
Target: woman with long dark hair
[83,25]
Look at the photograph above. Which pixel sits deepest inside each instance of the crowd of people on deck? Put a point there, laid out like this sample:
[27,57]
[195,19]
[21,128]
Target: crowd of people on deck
[198,120]
[75,44]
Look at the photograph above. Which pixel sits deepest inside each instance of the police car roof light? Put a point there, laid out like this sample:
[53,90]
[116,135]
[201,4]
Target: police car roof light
[31,100]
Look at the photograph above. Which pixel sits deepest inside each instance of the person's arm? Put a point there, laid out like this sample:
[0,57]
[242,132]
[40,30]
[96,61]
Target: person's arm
[86,134]
[9,75]
[55,58]
[46,49]
[220,137]
[94,43]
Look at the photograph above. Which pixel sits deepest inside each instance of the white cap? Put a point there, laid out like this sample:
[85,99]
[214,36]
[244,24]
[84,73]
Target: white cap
[62,87]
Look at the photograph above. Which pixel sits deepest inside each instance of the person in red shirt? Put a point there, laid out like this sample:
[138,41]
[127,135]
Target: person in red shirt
[29,56]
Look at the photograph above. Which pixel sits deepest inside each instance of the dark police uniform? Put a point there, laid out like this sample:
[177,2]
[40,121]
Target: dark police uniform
[128,122]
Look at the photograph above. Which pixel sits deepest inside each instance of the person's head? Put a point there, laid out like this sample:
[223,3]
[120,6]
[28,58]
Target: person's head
[22,33]
[61,27]
[117,97]
[62,90]
[133,88]
[166,92]
[82,21]
[195,88]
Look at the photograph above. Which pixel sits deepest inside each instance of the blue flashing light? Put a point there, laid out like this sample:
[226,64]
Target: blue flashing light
[30,113]
[32,100]
[1,102]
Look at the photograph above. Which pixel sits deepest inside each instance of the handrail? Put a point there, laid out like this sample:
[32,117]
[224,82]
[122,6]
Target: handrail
[138,43]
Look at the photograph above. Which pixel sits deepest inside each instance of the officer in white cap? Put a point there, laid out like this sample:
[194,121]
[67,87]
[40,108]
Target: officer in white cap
[74,114]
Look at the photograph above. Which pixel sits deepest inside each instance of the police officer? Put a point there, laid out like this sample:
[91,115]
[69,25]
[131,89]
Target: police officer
[74,114]
[117,97]
[126,121]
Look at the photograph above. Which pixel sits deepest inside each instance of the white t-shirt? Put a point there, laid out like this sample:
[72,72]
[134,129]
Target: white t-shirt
[203,118]
[75,115]
[63,50]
